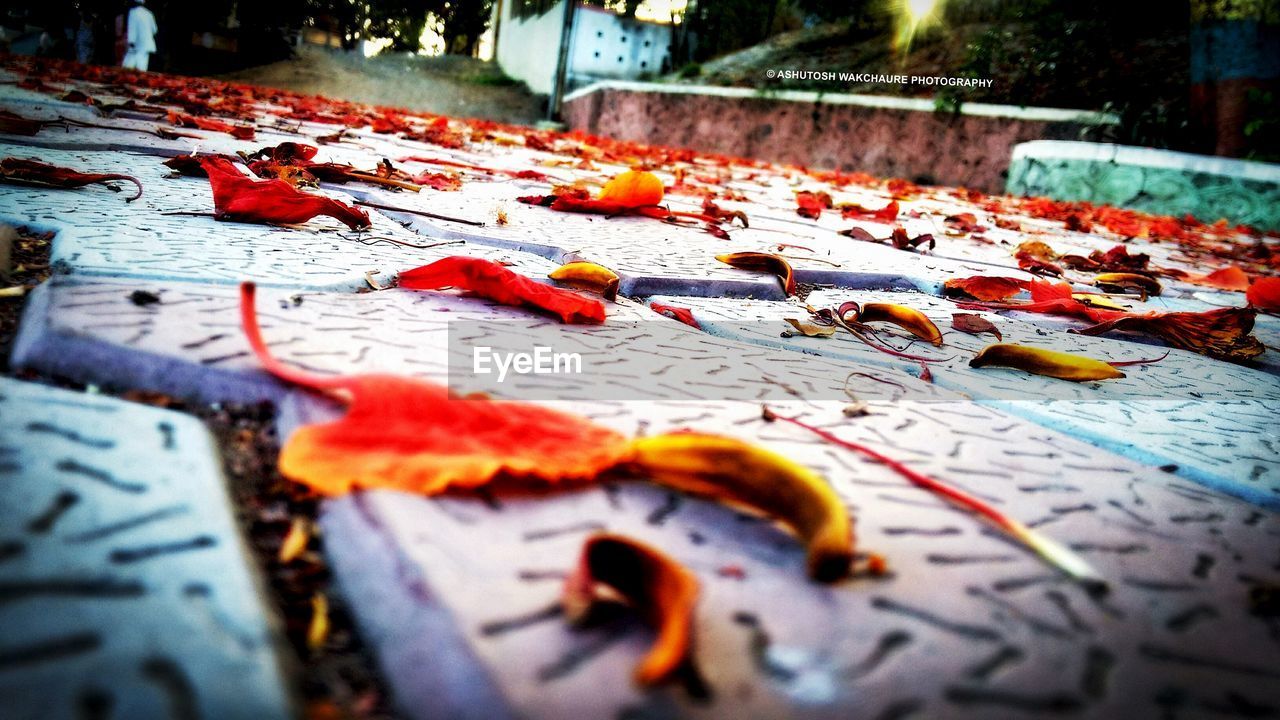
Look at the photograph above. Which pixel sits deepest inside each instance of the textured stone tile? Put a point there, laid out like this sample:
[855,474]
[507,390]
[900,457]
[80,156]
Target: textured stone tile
[967,625]
[190,344]
[99,234]
[1208,418]
[125,590]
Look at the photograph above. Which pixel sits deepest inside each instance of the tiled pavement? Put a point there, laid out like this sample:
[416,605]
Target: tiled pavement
[1166,481]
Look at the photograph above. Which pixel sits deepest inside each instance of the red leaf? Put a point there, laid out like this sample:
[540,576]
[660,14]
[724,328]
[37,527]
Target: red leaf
[675,313]
[239,198]
[987,288]
[886,214]
[974,325]
[1264,294]
[32,171]
[811,204]
[495,282]
[240,132]
[415,436]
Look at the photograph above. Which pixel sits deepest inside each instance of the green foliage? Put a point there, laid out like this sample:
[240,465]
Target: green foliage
[690,70]
[1262,131]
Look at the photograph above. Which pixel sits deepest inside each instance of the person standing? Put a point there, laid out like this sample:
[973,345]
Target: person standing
[140,33]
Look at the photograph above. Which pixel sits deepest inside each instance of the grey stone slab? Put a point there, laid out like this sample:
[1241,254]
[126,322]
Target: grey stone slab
[126,589]
[100,235]
[967,625]
[1209,419]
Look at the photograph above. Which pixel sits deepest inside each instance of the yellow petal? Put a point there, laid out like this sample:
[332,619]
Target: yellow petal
[742,473]
[296,541]
[590,276]
[811,330]
[909,319]
[1039,361]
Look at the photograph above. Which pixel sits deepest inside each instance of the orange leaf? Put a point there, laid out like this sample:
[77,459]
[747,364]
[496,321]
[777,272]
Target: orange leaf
[495,282]
[1227,278]
[415,436]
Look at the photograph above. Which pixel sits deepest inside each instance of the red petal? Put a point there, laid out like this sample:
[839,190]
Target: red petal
[495,282]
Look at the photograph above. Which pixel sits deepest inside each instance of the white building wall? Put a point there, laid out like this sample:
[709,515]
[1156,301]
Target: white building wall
[528,48]
[609,46]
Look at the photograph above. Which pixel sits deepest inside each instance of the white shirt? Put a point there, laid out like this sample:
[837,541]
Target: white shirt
[141,34]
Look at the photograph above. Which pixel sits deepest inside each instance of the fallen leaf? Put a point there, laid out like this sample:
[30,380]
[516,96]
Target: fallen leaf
[1041,361]
[765,262]
[1223,333]
[1264,294]
[730,469]
[495,282]
[886,214]
[662,590]
[986,288]
[239,198]
[1227,278]
[974,325]
[17,170]
[1145,284]
[414,436]
[811,204]
[684,315]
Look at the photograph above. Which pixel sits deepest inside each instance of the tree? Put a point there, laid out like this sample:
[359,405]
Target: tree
[463,22]
[627,8]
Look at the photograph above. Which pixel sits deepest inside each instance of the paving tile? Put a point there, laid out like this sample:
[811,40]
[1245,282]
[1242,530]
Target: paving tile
[125,589]
[967,625]
[189,344]
[100,235]
[1209,419]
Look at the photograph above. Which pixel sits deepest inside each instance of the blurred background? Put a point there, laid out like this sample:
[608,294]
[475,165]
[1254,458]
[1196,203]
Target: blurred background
[1192,75]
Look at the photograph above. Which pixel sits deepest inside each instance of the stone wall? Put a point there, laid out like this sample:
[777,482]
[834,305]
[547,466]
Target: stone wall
[898,137]
[1157,181]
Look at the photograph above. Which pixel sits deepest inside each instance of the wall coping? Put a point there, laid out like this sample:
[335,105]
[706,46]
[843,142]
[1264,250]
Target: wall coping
[1039,114]
[1147,157]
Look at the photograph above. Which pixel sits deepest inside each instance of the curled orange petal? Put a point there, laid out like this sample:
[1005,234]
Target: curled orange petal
[662,590]
[909,319]
[632,189]
[766,262]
